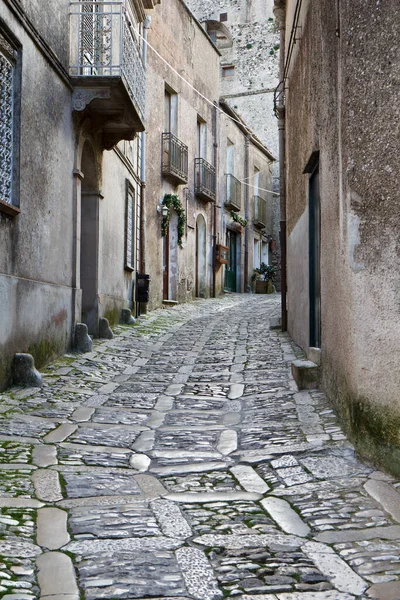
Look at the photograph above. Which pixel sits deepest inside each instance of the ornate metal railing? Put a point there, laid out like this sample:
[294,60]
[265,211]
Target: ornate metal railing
[174,158]
[233,198]
[260,211]
[103,44]
[204,179]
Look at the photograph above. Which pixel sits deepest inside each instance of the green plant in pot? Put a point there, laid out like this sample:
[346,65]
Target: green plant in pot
[263,277]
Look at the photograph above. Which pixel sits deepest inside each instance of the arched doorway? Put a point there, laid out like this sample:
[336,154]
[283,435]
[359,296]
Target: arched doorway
[201,257]
[89,246]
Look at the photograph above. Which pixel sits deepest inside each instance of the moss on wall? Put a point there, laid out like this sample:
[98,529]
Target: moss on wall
[374,429]
[47,349]
[112,314]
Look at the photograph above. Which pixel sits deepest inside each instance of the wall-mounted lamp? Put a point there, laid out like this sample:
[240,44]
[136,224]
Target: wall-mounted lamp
[162,209]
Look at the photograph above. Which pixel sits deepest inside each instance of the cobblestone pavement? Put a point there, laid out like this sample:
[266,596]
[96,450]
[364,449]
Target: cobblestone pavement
[179,461]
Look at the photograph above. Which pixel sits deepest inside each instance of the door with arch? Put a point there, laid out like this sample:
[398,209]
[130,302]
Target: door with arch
[89,241]
[201,257]
[231,267]
[170,259]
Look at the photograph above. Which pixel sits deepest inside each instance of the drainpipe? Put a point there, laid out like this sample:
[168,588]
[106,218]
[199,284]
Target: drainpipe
[280,15]
[246,211]
[143,226]
[214,234]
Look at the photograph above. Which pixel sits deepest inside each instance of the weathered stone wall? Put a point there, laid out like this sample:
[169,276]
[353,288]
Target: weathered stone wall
[36,246]
[343,100]
[189,50]
[255,57]
[40,290]
[249,90]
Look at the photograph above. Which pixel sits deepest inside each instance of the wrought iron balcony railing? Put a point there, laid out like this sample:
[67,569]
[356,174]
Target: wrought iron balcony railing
[103,47]
[174,158]
[204,180]
[233,197]
[260,211]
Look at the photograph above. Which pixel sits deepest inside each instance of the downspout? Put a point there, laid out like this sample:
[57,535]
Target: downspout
[280,15]
[214,234]
[246,211]
[143,224]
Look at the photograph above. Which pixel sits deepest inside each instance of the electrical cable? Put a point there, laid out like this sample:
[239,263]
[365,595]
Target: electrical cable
[241,123]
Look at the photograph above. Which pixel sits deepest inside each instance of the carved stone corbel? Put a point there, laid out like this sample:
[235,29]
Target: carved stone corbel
[82,97]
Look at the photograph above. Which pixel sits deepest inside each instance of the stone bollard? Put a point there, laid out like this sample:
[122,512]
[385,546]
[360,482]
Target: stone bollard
[24,372]
[104,329]
[82,341]
[126,317]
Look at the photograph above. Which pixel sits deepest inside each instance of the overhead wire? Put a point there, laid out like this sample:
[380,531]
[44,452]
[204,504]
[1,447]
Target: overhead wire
[211,102]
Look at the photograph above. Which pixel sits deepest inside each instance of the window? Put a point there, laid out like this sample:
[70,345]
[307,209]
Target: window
[223,17]
[265,252]
[228,71]
[230,157]
[256,182]
[9,129]
[130,228]
[201,139]
[256,255]
[171,112]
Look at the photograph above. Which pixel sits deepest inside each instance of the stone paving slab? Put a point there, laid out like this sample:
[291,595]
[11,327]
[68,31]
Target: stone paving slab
[178,461]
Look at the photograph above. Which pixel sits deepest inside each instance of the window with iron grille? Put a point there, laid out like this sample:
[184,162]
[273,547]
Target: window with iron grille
[95,38]
[130,228]
[9,139]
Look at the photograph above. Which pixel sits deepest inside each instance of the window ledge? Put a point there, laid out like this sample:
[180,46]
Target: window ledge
[9,208]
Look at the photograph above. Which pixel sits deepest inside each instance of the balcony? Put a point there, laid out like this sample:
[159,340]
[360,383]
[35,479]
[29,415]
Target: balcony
[233,198]
[204,180]
[106,69]
[260,211]
[174,159]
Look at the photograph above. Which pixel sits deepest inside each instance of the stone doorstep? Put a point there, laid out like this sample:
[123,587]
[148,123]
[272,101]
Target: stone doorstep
[306,374]
[275,323]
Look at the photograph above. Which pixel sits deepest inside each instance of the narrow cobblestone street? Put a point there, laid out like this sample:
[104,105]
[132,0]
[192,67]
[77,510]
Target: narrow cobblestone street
[179,460]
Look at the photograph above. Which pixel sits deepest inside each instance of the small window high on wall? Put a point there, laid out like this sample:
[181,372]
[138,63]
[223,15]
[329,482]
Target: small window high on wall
[228,71]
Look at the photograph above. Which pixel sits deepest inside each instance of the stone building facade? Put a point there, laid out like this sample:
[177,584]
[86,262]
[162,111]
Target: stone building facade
[72,88]
[180,168]
[342,112]
[243,159]
[189,164]
[245,32]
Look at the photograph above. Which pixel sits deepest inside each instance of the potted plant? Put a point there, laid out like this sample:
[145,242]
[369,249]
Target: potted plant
[263,276]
